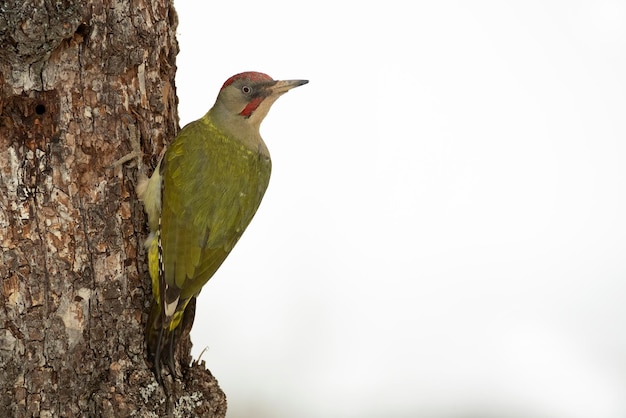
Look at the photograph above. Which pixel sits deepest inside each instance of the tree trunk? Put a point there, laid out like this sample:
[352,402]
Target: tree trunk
[79,79]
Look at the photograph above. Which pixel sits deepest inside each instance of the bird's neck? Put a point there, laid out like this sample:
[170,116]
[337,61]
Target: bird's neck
[237,128]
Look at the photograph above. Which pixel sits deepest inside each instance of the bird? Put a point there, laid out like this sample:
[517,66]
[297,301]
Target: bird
[202,195]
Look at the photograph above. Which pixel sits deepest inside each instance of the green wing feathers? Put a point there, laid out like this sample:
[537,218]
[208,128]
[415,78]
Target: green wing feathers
[199,200]
[212,187]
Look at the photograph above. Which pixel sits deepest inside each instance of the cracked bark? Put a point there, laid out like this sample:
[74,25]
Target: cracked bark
[77,78]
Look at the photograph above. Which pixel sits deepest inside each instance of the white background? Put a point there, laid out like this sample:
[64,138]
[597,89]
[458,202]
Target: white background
[445,229]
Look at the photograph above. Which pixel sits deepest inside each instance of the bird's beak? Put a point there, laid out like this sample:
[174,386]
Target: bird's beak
[284,86]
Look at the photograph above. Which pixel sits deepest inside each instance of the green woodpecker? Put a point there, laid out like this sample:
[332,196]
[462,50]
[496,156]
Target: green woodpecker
[201,197]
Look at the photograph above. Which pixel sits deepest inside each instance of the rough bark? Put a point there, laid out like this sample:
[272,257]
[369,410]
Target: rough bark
[77,80]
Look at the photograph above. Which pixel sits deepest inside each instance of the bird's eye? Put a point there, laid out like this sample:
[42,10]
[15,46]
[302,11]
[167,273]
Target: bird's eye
[246,89]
